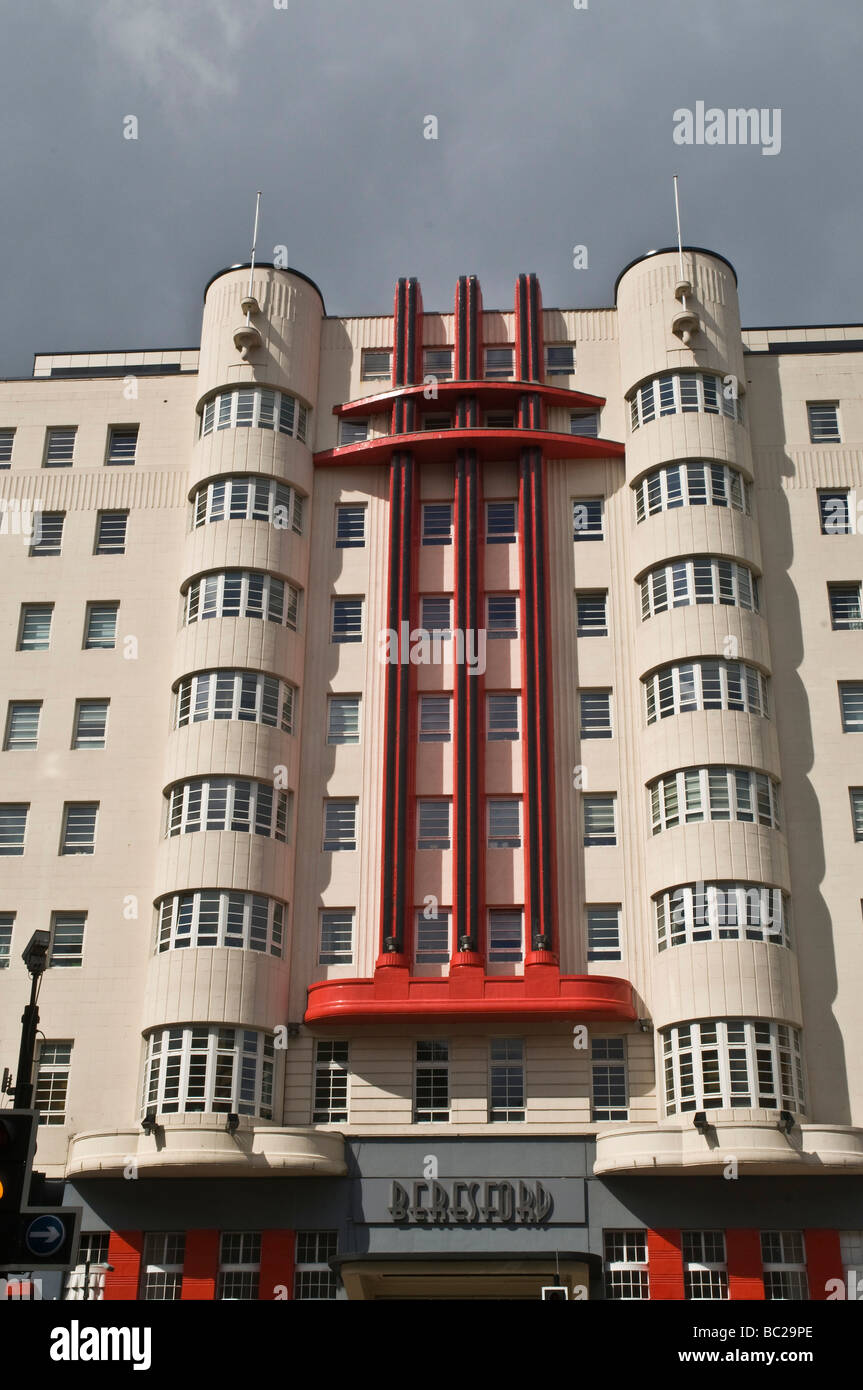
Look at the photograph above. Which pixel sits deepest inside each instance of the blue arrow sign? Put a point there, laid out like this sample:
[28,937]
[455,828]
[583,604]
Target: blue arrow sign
[44,1235]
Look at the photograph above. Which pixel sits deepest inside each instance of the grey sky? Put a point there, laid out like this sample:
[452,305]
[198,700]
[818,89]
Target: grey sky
[555,129]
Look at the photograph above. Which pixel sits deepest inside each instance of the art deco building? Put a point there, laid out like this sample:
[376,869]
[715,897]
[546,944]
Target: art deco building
[432,741]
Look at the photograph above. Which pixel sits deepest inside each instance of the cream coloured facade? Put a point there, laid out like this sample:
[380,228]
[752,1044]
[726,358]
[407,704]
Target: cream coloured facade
[651,971]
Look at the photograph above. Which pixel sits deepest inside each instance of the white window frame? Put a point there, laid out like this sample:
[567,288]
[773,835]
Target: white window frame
[787,1277]
[162,1266]
[681,688]
[699,580]
[705,1265]
[248,497]
[343,921]
[240,1268]
[105,545]
[259,595]
[609,1069]
[665,394]
[91,642]
[313,1278]
[117,452]
[238,805]
[839,622]
[506,1065]
[67,845]
[49,530]
[430,1068]
[694,795]
[724,910]
[337,843]
[252,697]
[52,1079]
[220,917]
[822,418]
[28,712]
[379,373]
[261,409]
[13,815]
[626,1278]
[206,1057]
[331,1082]
[81,738]
[732,1063]
[692,483]
[66,949]
[344,731]
[60,439]
[29,613]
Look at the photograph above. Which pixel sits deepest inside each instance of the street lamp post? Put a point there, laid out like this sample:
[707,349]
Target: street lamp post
[35,957]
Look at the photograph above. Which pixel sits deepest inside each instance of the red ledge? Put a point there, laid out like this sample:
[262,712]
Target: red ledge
[495,446]
[468,995]
[488,393]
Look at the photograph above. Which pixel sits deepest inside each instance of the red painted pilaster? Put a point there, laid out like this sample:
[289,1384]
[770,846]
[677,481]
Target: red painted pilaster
[745,1273]
[201,1266]
[665,1265]
[124,1253]
[277,1265]
[823,1261]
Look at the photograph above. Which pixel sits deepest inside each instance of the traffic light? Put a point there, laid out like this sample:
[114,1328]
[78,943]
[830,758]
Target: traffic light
[30,1237]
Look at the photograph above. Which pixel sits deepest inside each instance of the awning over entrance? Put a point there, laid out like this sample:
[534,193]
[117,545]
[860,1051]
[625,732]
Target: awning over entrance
[520,1275]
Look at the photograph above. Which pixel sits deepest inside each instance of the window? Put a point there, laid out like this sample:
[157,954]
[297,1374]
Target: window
[53,1062]
[437,422]
[559,359]
[701,579]
[504,824]
[835,512]
[498,363]
[47,533]
[91,721]
[353,431]
[503,723]
[436,616]
[713,793]
[79,827]
[584,423]
[347,620]
[337,937]
[219,917]
[435,718]
[594,713]
[845,612]
[343,719]
[851,1251]
[22,725]
[243,695]
[101,625]
[721,912]
[856,815]
[244,407]
[599,820]
[438,363]
[587,519]
[729,1063]
[694,685]
[608,1079]
[603,932]
[851,700]
[331,1083]
[245,498]
[783,1255]
[122,444]
[13,826]
[505,934]
[92,1251]
[239,1266]
[692,483]
[7,439]
[340,825]
[242,594]
[7,922]
[34,634]
[437,523]
[60,447]
[375,364]
[674,392]
[705,1270]
[433,825]
[67,938]
[501,523]
[350,527]
[111,533]
[432,936]
[502,615]
[499,420]
[313,1278]
[592,618]
[431,1082]
[626,1264]
[227,803]
[198,1069]
[506,1080]
[162,1273]
[823,422]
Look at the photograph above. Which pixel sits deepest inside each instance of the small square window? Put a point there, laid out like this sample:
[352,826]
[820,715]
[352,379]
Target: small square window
[34,634]
[845,609]
[79,827]
[337,936]
[587,516]
[834,508]
[7,439]
[435,718]
[343,719]
[13,827]
[340,825]
[498,363]
[592,618]
[594,714]
[505,934]
[22,725]
[501,523]
[603,932]
[60,446]
[504,823]
[437,523]
[101,625]
[122,444]
[503,722]
[823,422]
[376,364]
[502,615]
[432,937]
[436,616]
[347,620]
[599,820]
[111,533]
[433,825]
[350,526]
[47,533]
[353,431]
[438,363]
[584,423]
[559,359]
[91,722]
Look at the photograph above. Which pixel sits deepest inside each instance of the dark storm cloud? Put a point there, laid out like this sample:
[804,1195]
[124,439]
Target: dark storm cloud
[555,129]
